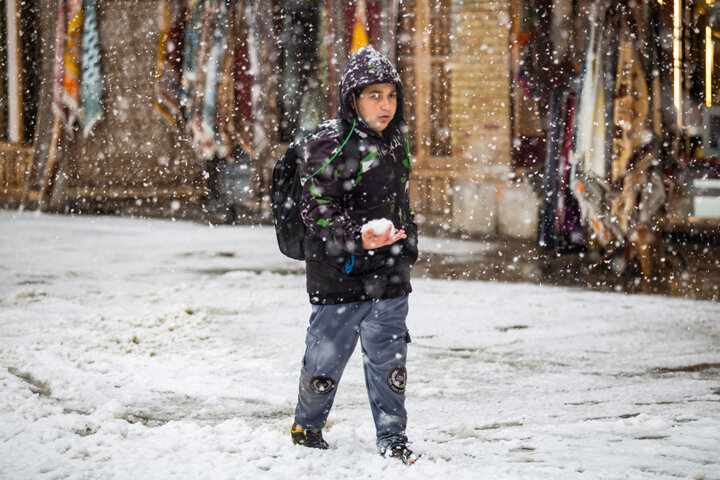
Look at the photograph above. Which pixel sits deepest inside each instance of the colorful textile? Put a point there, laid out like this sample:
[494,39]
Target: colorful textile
[243,114]
[91,85]
[215,92]
[588,162]
[359,37]
[168,74]
[224,110]
[209,144]
[618,166]
[71,76]
[196,97]
[232,115]
[191,49]
[58,62]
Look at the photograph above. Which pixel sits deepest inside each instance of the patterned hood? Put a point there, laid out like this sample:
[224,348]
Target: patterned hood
[367,67]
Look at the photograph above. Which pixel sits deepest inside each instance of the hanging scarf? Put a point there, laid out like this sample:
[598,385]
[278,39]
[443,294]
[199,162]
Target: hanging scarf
[71,77]
[588,156]
[196,99]
[232,115]
[191,49]
[209,144]
[91,86]
[243,113]
[168,74]
[359,33]
[58,63]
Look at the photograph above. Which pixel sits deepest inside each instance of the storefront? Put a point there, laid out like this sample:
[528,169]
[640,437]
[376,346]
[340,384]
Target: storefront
[518,108]
[289,57]
[613,122]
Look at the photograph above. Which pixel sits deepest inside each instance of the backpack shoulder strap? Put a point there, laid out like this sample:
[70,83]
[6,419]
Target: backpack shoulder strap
[329,161]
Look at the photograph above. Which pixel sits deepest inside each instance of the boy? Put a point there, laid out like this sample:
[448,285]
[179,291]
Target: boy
[358,281]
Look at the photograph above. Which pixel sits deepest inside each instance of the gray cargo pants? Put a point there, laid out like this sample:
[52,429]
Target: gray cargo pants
[331,338]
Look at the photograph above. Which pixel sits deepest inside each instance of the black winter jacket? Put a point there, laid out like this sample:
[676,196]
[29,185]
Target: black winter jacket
[366,180]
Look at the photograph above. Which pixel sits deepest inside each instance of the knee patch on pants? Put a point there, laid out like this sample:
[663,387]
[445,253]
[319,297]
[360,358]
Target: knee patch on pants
[322,385]
[397,379]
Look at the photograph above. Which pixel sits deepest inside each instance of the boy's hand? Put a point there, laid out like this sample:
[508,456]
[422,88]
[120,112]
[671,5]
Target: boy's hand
[371,242]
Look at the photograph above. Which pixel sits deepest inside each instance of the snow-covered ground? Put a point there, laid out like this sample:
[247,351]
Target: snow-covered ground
[147,349]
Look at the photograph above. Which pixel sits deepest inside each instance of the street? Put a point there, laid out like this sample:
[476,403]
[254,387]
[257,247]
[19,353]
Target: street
[133,349]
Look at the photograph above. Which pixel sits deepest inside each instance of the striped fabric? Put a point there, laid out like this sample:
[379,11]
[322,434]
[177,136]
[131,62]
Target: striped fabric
[91,86]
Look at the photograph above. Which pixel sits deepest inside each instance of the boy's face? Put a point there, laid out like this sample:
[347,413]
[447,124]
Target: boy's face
[377,104]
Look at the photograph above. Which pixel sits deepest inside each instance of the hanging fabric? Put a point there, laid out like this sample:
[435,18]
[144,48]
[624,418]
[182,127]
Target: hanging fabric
[71,73]
[559,227]
[168,72]
[196,96]
[322,72]
[225,109]
[59,61]
[243,109]
[196,81]
[548,231]
[570,224]
[314,105]
[588,164]
[233,114]
[302,97]
[360,27]
[91,83]
[207,137]
[623,151]
[262,32]
[191,50]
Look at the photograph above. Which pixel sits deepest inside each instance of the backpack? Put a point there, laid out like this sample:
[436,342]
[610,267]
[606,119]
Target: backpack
[285,193]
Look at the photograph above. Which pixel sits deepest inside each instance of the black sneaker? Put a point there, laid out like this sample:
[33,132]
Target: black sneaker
[401,452]
[311,438]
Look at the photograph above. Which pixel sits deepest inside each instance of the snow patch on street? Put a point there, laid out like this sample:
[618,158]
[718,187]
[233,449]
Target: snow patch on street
[154,349]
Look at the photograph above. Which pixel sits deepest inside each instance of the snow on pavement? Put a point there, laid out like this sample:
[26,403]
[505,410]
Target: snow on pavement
[169,350]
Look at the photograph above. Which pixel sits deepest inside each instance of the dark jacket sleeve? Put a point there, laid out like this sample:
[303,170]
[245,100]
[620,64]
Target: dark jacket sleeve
[322,196]
[411,241]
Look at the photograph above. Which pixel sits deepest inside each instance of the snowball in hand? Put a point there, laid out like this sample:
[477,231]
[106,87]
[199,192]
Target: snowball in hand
[379,226]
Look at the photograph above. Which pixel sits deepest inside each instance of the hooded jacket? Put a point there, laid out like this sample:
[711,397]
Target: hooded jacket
[366,180]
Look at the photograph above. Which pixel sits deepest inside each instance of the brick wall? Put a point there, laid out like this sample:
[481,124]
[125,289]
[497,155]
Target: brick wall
[480,88]
[485,199]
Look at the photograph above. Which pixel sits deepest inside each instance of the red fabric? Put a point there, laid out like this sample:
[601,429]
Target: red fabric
[374,9]
[373,18]
[243,80]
